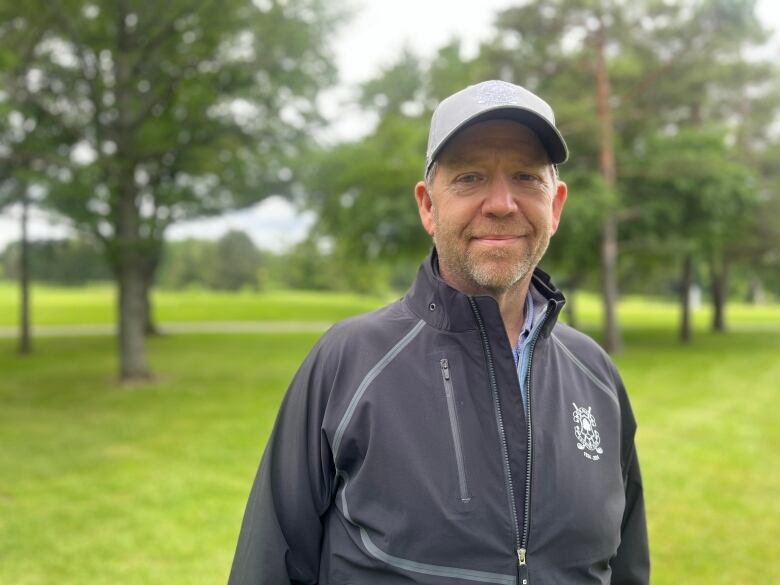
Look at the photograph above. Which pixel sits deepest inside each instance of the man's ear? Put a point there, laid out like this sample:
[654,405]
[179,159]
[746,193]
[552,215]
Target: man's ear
[561,192]
[424,206]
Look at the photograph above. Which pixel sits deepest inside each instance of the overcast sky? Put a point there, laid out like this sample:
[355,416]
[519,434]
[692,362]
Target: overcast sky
[372,39]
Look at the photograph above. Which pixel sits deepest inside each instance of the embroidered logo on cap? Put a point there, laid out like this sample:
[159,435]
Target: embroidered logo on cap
[495,93]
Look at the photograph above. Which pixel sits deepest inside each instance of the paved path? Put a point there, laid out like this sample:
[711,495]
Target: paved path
[176,327]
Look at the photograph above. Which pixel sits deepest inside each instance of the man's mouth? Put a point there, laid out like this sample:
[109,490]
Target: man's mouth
[498,237]
[497,241]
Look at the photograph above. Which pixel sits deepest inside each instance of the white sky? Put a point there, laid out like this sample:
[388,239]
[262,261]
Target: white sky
[371,40]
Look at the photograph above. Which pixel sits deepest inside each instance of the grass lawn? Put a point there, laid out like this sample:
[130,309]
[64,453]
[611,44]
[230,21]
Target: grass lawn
[96,304]
[105,485]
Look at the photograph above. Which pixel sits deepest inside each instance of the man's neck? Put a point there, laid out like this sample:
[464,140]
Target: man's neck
[511,304]
[511,301]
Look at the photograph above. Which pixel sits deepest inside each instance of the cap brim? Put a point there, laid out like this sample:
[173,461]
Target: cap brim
[549,136]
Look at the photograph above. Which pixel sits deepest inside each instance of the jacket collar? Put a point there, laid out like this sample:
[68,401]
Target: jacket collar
[444,307]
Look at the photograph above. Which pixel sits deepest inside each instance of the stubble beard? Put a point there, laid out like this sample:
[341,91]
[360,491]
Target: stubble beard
[495,271]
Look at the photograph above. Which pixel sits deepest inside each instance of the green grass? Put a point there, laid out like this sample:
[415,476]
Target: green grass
[96,304]
[102,484]
[709,444]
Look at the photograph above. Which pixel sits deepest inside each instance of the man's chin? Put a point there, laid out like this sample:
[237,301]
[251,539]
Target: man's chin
[498,275]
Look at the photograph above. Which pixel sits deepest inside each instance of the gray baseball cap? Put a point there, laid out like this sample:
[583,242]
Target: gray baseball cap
[494,100]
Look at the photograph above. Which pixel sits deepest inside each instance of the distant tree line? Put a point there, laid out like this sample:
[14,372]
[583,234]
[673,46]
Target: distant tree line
[230,263]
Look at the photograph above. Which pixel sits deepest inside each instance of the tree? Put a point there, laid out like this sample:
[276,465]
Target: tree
[696,198]
[237,262]
[707,74]
[25,144]
[187,263]
[168,111]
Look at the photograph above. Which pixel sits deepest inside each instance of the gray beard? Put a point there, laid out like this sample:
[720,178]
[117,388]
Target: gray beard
[468,269]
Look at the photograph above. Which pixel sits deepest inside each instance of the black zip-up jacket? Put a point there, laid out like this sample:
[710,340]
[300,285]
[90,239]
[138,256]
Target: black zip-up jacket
[402,454]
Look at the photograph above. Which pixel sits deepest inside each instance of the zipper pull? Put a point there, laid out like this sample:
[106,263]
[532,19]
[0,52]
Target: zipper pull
[522,567]
[445,368]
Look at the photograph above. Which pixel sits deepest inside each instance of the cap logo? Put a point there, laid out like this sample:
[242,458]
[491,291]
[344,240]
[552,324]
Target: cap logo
[497,93]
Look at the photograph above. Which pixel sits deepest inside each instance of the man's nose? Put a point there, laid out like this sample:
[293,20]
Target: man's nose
[499,199]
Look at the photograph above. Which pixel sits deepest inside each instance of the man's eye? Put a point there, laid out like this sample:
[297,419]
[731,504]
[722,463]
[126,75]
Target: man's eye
[525,177]
[468,178]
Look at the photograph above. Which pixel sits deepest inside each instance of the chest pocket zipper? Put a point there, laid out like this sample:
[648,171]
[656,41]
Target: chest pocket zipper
[452,409]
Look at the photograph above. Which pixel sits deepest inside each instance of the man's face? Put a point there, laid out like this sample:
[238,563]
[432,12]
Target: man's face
[492,206]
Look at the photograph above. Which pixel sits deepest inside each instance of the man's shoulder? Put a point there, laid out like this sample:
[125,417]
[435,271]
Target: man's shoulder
[578,341]
[376,329]
[586,350]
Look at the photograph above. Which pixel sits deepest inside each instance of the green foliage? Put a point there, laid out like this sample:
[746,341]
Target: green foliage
[238,262]
[199,107]
[694,196]
[187,263]
[304,267]
[69,261]
[160,111]
[573,255]
[230,263]
[363,191]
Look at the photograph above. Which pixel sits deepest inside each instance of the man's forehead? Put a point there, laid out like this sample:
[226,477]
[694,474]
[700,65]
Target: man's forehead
[484,139]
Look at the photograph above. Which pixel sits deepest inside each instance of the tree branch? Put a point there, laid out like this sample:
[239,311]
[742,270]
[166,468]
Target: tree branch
[91,75]
[165,30]
[154,99]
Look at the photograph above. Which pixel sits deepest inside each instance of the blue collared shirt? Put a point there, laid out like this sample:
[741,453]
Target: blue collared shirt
[521,351]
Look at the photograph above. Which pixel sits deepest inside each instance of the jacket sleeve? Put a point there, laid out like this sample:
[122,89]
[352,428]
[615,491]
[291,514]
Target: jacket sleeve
[631,565]
[281,534]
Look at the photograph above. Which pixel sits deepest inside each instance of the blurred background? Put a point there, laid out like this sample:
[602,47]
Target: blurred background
[192,191]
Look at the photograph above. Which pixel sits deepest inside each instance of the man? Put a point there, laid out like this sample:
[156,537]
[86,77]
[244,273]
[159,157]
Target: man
[460,435]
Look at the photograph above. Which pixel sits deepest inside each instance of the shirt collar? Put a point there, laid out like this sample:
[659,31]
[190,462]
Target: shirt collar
[528,324]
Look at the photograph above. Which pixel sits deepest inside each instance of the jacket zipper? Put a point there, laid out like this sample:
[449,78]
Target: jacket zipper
[529,457]
[455,426]
[522,570]
[521,541]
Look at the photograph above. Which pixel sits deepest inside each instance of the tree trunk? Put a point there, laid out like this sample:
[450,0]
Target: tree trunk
[132,357]
[571,301]
[130,253]
[130,275]
[151,262]
[571,306]
[719,277]
[613,342]
[150,328]
[686,281]
[755,291]
[25,343]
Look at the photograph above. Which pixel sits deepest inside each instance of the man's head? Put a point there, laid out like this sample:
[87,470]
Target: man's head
[491,198]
